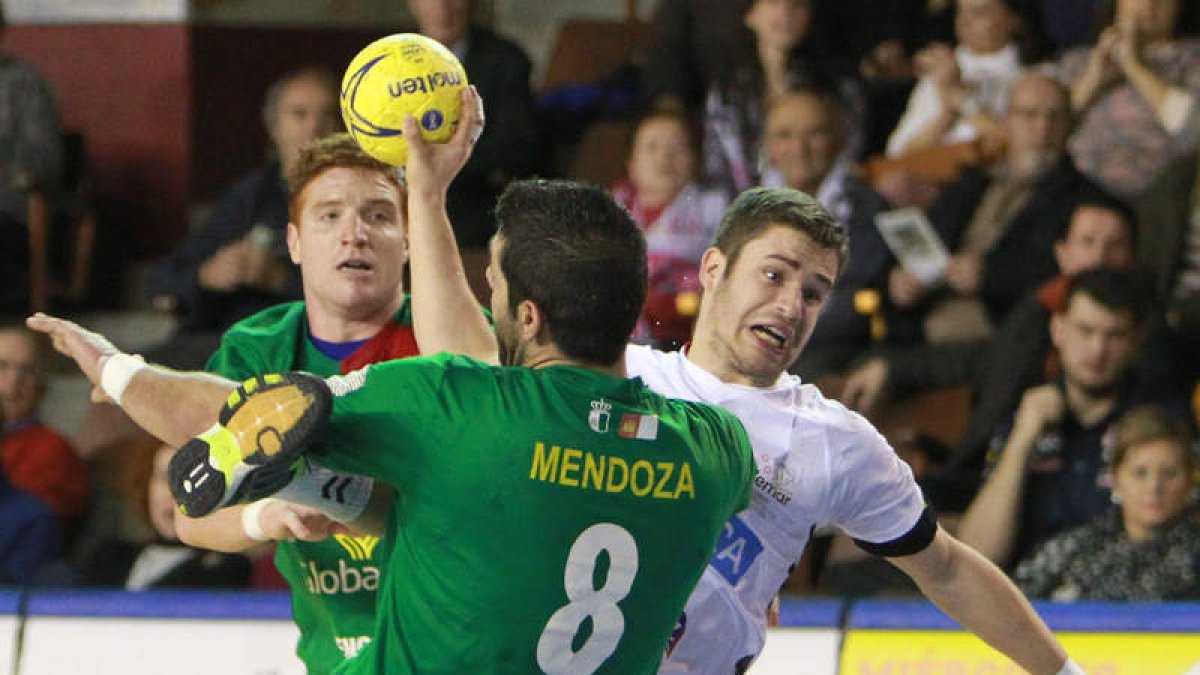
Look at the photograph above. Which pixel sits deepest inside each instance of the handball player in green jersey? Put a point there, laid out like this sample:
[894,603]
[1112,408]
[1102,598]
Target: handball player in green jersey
[355,312]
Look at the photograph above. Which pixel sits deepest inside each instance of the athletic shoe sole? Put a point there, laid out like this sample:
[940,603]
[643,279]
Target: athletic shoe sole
[264,427]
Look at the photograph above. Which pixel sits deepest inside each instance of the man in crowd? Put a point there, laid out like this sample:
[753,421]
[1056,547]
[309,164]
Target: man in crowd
[999,223]
[237,262]
[1048,474]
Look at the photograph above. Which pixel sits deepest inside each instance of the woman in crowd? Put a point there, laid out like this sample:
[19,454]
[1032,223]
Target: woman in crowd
[1147,548]
[1134,93]
[678,217]
[963,90]
[777,48]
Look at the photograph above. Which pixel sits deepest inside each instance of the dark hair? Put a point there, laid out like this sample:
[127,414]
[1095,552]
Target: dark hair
[331,152]
[757,209]
[580,257]
[1146,424]
[270,109]
[1115,290]
[1098,199]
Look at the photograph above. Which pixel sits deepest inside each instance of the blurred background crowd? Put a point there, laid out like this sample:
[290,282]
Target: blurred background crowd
[1041,380]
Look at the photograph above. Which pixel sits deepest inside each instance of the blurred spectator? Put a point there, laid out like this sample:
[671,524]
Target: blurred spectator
[1169,250]
[1048,467]
[963,90]
[162,561]
[34,457]
[237,263]
[510,146]
[30,156]
[678,217]
[1100,234]
[1146,548]
[771,51]
[30,539]
[689,47]
[1133,91]
[1000,223]
[804,142]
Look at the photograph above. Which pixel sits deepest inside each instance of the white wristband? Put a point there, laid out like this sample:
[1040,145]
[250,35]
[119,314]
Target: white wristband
[1071,668]
[118,370]
[250,524]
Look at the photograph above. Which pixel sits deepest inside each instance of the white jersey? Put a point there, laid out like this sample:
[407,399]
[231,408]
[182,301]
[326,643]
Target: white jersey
[819,465]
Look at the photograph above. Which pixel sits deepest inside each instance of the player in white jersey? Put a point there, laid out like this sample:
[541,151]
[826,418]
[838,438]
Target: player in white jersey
[776,255]
[774,259]
[819,465]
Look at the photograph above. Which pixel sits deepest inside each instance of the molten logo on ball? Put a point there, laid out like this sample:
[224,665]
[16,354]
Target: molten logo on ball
[404,74]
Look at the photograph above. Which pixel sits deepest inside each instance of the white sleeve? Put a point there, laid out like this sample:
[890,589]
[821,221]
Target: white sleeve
[923,106]
[874,497]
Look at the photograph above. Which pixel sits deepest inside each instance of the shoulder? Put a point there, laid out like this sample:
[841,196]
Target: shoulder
[275,319]
[849,441]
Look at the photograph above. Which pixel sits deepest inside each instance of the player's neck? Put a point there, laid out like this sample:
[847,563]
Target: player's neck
[343,325]
[546,358]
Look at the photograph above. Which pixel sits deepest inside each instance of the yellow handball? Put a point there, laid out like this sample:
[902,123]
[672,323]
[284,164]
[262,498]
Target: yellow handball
[398,75]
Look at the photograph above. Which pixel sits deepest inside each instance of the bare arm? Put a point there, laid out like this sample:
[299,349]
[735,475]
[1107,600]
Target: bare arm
[173,406]
[990,523]
[223,530]
[446,315]
[976,594]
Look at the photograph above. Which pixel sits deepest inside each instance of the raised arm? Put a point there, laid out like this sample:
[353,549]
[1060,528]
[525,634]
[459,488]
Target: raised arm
[446,315]
[173,406]
[990,523]
[976,594]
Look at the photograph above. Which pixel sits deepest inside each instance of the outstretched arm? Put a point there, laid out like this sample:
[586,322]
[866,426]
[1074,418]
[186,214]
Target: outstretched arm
[446,315]
[173,406]
[976,594]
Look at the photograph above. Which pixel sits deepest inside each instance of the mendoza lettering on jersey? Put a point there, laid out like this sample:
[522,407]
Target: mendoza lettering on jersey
[587,470]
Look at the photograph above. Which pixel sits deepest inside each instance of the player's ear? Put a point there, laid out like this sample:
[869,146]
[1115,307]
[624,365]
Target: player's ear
[530,320]
[293,242]
[712,268]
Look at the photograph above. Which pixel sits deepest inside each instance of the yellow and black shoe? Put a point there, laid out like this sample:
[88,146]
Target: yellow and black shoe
[264,427]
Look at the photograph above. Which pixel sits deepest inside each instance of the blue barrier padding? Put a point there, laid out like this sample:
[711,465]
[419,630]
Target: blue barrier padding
[10,600]
[260,605]
[1084,616]
[810,613]
[1150,617]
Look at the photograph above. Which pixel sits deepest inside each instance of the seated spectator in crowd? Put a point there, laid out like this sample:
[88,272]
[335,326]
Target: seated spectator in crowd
[1000,223]
[1169,251]
[34,457]
[30,157]
[963,90]
[1018,356]
[237,263]
[30,539]
[1145,548]
[159,560]
[678,217]
[771,50]
[689,48]
[804,144]
[511,146]
[1047,472]
[1132,92]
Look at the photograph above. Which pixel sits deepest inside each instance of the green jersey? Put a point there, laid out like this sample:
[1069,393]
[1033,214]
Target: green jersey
[547,520]
[333,582]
